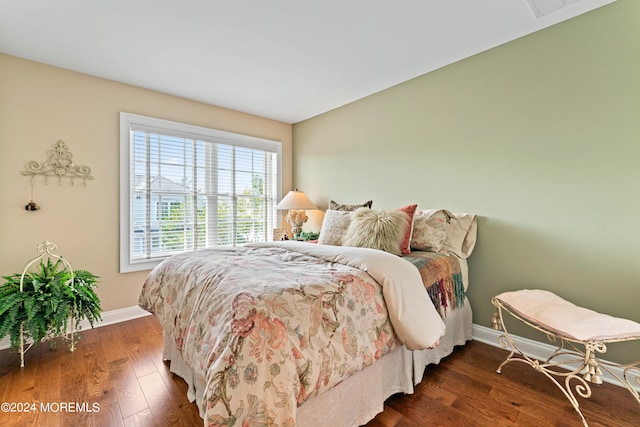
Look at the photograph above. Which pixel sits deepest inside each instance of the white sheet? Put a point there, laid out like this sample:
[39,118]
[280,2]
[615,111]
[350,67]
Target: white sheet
[407,300]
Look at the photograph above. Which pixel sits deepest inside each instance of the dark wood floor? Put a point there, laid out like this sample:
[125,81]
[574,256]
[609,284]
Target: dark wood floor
[118,372]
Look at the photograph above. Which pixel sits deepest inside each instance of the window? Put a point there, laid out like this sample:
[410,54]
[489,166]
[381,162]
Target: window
[185,187]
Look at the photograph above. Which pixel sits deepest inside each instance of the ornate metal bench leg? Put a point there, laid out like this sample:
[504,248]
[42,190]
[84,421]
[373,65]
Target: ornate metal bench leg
[505,340]
[582,387]
[630,377]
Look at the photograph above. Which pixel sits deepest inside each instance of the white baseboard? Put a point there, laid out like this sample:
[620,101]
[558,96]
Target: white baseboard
[108,318]
[533,349]
[117,316]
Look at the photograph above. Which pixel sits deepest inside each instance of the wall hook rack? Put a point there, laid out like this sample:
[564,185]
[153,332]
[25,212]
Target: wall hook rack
[59,164]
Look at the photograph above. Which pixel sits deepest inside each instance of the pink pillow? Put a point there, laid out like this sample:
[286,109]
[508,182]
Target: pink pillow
[405,245]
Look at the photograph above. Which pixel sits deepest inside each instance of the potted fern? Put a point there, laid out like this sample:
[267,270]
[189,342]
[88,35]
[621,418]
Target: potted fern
[50,297]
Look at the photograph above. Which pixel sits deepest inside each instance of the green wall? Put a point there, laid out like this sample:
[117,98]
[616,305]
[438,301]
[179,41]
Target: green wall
[540,137]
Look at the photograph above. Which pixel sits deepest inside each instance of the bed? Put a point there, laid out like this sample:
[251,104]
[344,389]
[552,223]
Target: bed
[276,333]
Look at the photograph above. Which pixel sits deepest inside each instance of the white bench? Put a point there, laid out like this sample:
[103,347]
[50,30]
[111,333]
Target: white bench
[582,335]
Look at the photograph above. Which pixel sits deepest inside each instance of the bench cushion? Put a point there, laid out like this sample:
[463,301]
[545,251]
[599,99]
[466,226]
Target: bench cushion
[549,311]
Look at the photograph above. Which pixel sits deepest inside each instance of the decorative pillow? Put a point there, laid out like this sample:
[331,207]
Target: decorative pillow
[405,247]
[377,229]
[461,238]
[340,207]
[334,227]
[430,229]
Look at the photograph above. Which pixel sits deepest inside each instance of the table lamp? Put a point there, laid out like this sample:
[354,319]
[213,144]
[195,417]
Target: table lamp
[296,202]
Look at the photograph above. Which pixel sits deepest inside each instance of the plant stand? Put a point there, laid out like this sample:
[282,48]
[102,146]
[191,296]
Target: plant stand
[45,249]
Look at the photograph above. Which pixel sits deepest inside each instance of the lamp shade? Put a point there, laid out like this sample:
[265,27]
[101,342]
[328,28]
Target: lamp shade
[295,200]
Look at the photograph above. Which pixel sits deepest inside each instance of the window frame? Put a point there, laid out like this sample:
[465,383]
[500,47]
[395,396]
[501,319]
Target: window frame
[127,120]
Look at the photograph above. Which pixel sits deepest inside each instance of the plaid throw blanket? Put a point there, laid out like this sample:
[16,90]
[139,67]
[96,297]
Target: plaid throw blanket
[442,277]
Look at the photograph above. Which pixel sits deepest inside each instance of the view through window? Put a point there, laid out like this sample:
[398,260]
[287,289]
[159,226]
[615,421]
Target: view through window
[189,188]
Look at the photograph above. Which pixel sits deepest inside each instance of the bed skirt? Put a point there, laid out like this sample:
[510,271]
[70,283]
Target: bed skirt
[358,399]
[459,330]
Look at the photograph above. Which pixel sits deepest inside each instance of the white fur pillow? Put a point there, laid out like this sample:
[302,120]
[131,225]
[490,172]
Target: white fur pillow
[377,229]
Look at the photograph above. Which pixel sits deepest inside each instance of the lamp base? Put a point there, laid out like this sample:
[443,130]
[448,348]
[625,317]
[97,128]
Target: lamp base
[296,218]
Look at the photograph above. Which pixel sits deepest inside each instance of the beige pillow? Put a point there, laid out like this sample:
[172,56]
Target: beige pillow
[377,229]
[461,238]
[334,227]
[341,207]
[431,229]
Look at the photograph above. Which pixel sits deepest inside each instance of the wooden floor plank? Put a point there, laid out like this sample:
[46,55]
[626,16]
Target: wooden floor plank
[47,390]
[127,389]
[73,389]
[115,349]
[165,411]
[108,415]
[140,419]
[98,376]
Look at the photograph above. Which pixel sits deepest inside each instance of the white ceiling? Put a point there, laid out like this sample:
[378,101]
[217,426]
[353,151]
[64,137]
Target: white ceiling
[287,60]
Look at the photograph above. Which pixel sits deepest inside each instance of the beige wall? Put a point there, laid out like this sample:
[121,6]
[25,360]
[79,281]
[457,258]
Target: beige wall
[540,137]
[39,105]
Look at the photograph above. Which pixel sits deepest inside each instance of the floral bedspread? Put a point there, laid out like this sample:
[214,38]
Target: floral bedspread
[267,327]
